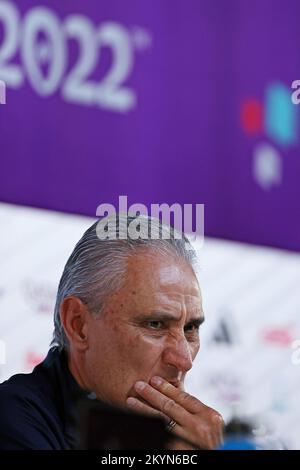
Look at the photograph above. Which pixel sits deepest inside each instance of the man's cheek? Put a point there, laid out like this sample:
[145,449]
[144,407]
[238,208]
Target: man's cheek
[141,348]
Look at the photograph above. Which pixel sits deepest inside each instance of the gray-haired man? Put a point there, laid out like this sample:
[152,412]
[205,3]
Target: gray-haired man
[127,320]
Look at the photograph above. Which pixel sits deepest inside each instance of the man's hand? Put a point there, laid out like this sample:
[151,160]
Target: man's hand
[195,422]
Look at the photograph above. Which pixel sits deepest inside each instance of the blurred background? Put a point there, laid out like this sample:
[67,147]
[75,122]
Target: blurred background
[165,102]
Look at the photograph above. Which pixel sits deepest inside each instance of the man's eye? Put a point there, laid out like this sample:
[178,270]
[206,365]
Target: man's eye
[155,324]
[192,328]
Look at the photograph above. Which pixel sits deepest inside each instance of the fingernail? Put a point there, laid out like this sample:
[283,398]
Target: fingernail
[131,401]
[140,385]
[156,380]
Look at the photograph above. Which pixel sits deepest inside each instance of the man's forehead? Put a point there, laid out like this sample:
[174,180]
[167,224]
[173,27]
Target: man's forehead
[164,269]
[174,299]
[156,286]
[173,303]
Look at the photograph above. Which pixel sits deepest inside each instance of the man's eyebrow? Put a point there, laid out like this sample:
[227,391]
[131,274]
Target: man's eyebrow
[196,321]
[167,316]
[158,315]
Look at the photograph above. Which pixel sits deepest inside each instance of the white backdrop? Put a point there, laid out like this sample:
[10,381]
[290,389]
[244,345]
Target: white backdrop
[248,364]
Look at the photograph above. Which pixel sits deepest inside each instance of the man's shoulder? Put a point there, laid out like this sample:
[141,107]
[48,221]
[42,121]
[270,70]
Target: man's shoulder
[33,388]
[21,388]
[41,386]
[29,417]
[21,416]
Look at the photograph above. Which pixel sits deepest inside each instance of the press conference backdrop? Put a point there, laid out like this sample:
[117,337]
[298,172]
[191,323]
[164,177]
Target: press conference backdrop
[165,102]
[186,102]
[249,362]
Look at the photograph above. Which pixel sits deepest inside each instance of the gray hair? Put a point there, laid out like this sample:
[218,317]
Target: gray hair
[97,265]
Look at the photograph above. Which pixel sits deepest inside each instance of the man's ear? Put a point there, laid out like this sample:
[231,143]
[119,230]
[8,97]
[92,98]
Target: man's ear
[74,317]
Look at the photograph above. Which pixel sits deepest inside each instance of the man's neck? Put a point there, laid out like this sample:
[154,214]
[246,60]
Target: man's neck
[77,373]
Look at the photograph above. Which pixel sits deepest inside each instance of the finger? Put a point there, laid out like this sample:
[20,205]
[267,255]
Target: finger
[140,407]
[161,402]
[191,426]
[187,401]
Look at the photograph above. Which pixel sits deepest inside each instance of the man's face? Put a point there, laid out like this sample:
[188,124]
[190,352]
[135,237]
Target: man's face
[149,327]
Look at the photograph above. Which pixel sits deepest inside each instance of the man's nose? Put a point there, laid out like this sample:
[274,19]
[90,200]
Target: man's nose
[178,355]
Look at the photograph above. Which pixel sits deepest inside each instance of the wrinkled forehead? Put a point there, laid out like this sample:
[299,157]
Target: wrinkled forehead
[160,282]
[179,305]
[163,269]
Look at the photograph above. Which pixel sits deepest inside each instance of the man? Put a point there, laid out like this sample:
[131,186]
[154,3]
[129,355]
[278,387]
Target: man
[127,319]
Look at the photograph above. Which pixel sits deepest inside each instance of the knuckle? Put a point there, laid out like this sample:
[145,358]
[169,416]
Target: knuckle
[218,420]
[185,397]
[215,416]
[168,406]
[194,402]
